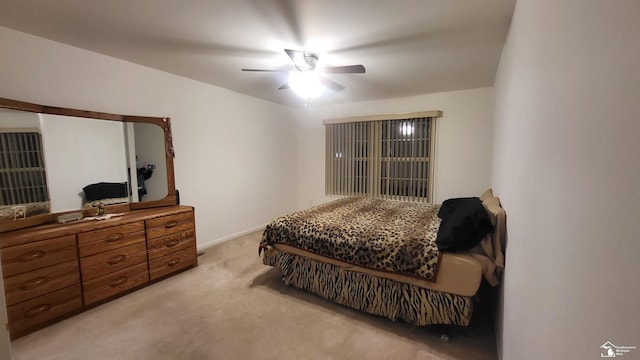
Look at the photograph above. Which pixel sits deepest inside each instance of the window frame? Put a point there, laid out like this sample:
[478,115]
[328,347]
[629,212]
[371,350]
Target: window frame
[345,178]
[27,162]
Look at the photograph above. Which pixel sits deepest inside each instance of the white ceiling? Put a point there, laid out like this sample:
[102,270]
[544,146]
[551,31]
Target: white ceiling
[409,47]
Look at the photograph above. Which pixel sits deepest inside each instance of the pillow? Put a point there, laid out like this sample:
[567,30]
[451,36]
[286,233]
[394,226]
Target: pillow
[464,223]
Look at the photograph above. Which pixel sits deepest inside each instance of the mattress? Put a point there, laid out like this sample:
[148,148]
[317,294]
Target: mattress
[379,234]
[458,273]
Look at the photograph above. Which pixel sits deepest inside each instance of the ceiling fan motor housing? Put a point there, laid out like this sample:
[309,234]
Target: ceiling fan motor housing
[305,60]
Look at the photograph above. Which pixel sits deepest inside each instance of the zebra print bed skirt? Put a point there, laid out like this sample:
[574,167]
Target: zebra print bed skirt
[371,294]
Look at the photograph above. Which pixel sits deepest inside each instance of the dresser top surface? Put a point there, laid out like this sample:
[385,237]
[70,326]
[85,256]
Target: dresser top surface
[41,232]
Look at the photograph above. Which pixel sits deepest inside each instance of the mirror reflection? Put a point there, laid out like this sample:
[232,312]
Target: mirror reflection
[84,162]
[148,175]
[23,183]
[79,153]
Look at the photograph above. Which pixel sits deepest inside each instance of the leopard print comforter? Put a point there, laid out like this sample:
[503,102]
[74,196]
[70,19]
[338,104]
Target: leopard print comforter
[379,234]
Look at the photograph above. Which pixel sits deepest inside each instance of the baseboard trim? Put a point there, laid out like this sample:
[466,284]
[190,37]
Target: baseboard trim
[208,244]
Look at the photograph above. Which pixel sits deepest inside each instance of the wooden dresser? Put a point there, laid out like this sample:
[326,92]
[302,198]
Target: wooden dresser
[54,271]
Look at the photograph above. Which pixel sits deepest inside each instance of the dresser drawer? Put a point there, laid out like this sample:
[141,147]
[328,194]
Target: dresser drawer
[94,242]
[172,262]
[111,261]
[114,283]
[39,254]
[31,313]
[34,283]
[169,225]
[167,244]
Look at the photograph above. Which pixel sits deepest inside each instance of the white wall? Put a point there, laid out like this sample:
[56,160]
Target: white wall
[567,171]
[235,155]
[18,119]
[80,152]
[464,141]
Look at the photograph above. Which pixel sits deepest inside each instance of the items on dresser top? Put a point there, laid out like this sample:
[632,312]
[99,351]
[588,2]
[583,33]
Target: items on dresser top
[53,271]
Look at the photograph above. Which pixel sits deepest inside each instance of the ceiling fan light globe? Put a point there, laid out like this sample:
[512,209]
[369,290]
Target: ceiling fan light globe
[305,84]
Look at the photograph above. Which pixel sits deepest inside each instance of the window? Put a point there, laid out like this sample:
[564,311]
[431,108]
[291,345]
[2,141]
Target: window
[22,173]
[386,156]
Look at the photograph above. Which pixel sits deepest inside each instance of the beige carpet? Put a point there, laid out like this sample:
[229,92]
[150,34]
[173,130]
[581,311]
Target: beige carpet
[233,307]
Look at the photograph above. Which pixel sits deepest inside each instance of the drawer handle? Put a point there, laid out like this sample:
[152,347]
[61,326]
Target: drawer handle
[33,312]
[32,284]
[114,237]
[173,262]
[119,281]
[186,234]
[116,259]
[170,224]
[31,256]
[172,243]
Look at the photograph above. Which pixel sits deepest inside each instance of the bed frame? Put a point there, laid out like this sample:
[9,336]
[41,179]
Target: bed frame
[372,294]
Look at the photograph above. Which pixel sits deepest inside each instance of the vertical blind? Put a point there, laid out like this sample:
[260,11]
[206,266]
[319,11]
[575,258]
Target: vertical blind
[382,158]
[22,173]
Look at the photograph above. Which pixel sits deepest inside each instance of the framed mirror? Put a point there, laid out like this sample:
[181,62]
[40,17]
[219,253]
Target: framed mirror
[58,160]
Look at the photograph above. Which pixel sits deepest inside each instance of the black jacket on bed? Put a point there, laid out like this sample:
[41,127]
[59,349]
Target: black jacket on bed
[464,224]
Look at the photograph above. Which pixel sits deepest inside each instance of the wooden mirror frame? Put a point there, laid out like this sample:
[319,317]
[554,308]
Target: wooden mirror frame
[163,122]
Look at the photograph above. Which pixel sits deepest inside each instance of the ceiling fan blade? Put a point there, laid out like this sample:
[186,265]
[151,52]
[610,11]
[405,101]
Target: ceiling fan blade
[330,84]
[285,86]
[263,70]
[348,69]
[291,53]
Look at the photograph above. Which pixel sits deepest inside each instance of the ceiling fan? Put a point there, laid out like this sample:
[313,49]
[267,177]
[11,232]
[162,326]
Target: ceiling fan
[305,69]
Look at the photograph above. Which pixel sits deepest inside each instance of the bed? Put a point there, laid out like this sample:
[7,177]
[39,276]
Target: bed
[354,251]
[104,194]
